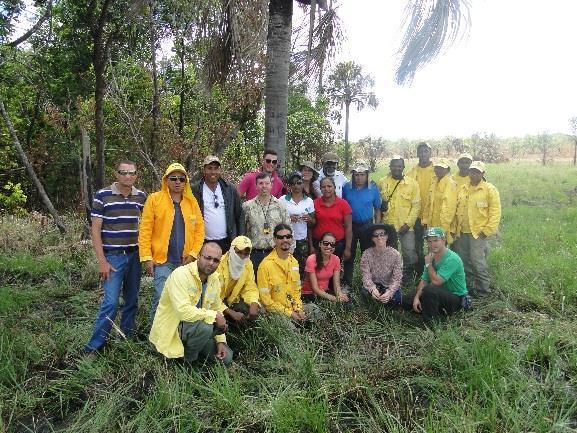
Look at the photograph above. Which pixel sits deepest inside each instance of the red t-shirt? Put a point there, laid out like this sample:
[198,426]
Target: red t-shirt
[331,219]
[248,185]
[323,275]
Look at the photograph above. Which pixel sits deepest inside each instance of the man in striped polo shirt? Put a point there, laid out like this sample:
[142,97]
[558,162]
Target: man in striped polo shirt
[115,215]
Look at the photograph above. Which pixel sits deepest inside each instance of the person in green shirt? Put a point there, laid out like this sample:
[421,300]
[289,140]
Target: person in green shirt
[442,289]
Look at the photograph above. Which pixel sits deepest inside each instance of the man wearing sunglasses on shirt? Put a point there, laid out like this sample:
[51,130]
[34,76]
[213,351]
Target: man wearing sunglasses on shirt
[219,203]
[115,214]
[171,229]
[247,189]
[278,277]
[189,322]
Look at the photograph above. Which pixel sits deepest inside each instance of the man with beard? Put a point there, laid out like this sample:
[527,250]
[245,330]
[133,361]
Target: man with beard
[330,163]
[278,278]
[239,293]
[189,322]
[171,229]
[442,289]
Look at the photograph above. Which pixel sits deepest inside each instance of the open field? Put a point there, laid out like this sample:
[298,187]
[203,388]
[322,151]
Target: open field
[509,365]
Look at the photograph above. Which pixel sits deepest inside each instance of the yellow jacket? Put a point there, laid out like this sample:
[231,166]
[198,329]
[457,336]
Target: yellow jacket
[405,202]
[157,218]
[279,284]
[233,291]
[461,180]
[424,177]
[481,207]
[177,304]
[442,205]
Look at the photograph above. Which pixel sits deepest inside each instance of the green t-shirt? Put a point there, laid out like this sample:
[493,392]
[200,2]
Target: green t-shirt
[450,269]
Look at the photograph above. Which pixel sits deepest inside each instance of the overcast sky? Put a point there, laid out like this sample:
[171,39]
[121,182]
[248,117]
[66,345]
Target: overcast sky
[514,74]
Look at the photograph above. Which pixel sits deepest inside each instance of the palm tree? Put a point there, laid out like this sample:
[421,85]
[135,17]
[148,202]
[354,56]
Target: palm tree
[431,26]
[348,85]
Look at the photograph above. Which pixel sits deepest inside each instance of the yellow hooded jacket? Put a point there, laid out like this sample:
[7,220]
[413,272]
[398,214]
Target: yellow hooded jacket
[157,218]
[405,203]
[442,205]
[478,209]
[178,301]
[279,284]
[424,177]
[233,291]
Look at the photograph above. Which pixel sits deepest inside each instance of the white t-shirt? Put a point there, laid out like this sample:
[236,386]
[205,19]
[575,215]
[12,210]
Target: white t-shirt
[214,216]
[305,206]
[339,178]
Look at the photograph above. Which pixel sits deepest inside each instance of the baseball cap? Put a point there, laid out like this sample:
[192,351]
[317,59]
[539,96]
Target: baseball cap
[465,155]
[360,166]
[210,159]
[435,232]
[330,157]
[423,143]
[397,157]
[241,242]
[442,162]
[175,166]
[479,165]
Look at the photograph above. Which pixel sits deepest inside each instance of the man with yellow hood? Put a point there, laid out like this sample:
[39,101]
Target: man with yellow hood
[171,229]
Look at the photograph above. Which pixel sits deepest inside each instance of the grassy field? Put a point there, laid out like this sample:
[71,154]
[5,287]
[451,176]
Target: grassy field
[509,365]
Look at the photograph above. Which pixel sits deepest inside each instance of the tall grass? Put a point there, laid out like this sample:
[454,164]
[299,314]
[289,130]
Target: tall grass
[509,365]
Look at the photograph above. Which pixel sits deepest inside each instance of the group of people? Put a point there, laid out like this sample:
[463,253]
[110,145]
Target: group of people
[221,255]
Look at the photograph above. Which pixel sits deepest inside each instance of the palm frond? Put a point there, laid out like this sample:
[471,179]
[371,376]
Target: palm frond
[431,26]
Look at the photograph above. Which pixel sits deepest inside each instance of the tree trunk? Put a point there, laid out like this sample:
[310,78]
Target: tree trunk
[347,145]
[86,178]
[99,92]
[277,75]
[30,169]
[575,152]
[155,91]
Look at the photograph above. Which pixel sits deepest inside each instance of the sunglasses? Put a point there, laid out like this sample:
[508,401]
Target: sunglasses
[297,182]
[211,259]
[180,179]
[271,161]
[126,172]
[379,235]
[215,201]
[284,236]
[328,244]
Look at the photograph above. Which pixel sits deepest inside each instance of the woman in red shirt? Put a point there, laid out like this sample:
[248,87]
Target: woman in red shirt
[322,269]
[333,215]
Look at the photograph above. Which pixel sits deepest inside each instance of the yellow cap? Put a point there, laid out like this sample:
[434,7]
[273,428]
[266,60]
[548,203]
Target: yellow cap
[442,162]
[478,165]
[242,243]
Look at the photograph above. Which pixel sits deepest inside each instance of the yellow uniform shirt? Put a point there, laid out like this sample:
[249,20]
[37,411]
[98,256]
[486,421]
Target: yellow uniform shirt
[279,284]
[424,177]
[234,291]
[404,202]
[478,209]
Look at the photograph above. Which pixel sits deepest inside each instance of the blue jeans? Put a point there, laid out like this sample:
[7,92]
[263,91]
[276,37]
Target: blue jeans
[161,274]
[125,278]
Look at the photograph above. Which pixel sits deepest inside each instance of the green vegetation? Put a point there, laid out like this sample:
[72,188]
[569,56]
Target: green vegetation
[509,365]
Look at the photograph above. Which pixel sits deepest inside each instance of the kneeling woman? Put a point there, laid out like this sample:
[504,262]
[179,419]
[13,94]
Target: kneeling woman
[322,269]
[381,266]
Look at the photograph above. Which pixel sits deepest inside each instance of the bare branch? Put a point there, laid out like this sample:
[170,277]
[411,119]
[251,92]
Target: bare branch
[34,28]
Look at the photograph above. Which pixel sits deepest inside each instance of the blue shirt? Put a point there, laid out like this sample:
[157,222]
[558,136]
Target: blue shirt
[362,200]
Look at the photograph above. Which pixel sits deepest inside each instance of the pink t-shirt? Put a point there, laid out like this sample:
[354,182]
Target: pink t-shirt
[247,185]
[323,275]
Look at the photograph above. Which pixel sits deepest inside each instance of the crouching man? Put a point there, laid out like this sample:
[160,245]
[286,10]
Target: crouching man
[239,293]
[442,289]
[188,322]
[279,279]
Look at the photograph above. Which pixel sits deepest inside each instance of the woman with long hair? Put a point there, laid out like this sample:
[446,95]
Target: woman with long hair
[307,169]
[322,273]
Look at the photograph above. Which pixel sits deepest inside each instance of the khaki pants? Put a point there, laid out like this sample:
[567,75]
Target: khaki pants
[474,253]
[198,340]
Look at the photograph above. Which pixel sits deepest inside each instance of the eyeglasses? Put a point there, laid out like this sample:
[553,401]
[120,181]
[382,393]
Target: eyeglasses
[271,161]
[328,244]
[180,179]
[215,201]
[379,235]
[211,259]
[289,236]
[126,172]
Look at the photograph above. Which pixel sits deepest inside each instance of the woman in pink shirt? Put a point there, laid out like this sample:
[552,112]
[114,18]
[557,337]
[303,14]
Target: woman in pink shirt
[322,269]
